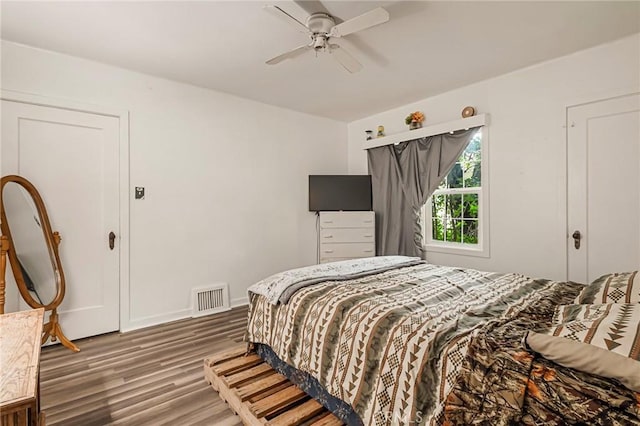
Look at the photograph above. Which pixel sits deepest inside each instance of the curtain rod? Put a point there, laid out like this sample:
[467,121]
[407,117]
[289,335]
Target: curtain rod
[434,129]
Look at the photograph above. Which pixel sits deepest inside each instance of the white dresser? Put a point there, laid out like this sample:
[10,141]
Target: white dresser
[347,235]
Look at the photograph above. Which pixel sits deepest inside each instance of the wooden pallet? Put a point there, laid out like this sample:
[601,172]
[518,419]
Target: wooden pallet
[259,394]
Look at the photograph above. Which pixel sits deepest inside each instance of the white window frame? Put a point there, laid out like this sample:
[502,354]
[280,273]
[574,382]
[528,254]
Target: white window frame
[481,249]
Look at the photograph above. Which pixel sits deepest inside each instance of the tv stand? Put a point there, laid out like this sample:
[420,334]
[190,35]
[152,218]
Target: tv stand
[347,235]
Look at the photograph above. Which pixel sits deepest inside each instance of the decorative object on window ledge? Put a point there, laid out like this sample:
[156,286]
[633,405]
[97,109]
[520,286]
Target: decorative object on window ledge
[414,120]
[468,111]
[380,131]
[369,134]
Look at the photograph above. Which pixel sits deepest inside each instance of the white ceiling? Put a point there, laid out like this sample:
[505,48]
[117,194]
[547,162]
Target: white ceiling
[426,48]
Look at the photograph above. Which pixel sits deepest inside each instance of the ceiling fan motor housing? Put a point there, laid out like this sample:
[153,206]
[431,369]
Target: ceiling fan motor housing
[320,23]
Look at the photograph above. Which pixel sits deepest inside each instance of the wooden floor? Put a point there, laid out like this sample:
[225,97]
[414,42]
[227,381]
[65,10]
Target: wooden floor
[152,376]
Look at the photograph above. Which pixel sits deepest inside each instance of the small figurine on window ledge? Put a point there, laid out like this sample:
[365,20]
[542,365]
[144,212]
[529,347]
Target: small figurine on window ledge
[380,132]
[369,134]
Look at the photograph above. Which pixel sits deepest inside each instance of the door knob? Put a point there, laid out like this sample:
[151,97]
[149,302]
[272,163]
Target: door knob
[576,239]
[112,240]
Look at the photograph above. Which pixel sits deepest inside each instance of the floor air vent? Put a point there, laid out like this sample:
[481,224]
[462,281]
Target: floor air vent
[209,300]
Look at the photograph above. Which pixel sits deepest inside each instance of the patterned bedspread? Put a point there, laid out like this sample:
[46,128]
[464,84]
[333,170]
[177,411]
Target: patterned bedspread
[391,344]
[501,383]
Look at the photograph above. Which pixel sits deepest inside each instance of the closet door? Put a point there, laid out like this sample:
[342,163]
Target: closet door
[72,159]
[603,188]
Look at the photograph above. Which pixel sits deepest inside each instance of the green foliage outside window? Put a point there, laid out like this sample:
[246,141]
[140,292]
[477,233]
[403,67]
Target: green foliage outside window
[455,204]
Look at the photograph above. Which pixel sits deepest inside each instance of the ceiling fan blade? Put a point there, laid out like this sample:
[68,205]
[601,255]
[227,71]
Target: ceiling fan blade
[281,14]
[345,59]
[364,21]
[290,54]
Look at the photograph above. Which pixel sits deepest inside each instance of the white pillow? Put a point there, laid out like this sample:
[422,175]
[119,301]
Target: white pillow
[597,339]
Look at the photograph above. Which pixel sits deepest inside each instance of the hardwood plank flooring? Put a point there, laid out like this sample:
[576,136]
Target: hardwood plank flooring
[152,376]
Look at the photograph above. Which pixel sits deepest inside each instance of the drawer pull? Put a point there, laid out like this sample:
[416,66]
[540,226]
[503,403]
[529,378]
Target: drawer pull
[328,236]
[327,221]
[368,251]
[328,251]
[368,236]
[368,221]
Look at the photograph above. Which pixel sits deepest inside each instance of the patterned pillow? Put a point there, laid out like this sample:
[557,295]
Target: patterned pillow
[621,287]
[566,313]
[614,327]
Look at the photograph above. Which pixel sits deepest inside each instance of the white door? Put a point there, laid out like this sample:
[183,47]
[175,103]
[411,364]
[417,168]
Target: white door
[71,157]
[603,188]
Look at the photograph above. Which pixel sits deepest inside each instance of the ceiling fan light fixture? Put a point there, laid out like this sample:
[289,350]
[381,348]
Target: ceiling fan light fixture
[320,42]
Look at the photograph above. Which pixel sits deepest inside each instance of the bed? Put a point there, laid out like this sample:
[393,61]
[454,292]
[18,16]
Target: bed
[395,340]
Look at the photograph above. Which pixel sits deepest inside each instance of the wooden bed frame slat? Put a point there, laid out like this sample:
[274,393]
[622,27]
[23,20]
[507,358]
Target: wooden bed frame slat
[277,401]
[299,414]
[249,375]
[261,385]
[259,394]
[328,420]
[237,364]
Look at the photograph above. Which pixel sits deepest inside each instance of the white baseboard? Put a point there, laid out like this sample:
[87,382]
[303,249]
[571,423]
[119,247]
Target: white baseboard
[149,321]
[240,301]
[152,320]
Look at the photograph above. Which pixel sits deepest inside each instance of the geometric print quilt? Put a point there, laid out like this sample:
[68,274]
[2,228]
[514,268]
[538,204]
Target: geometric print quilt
[390,344]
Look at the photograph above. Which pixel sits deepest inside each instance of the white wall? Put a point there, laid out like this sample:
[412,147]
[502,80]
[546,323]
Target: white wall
[225,177]
[527,144]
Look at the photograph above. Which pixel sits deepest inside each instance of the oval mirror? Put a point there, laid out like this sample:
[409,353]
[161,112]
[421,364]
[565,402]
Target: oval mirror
[33,251]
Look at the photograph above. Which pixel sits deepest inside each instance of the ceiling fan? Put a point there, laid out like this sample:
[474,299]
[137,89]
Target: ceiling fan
[321,28]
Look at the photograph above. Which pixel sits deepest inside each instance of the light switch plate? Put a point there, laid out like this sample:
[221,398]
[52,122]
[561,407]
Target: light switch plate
[139,192]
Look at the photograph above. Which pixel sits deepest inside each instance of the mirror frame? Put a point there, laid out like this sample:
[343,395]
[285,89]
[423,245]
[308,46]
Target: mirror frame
[52,329]
[51,239]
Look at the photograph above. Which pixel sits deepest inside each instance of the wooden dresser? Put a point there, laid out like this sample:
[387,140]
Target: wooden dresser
[20,334]
[347,235]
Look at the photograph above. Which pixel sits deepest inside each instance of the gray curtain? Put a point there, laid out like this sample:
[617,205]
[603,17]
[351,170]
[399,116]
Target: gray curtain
[403,177]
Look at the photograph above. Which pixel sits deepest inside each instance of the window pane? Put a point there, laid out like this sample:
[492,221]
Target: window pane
[454,178]
[470,205]
[437,230]
[438,206]
[472,174]
[454,206]
[470,234]
[473,150]
[454,231]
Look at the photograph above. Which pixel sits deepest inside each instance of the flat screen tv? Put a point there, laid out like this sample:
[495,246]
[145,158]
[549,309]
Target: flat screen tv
[339,192]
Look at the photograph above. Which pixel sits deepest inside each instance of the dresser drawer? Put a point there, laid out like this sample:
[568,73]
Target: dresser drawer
[347,219]
[347,250]
[347,235]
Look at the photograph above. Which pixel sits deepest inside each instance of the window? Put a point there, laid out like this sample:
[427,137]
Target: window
[453,218]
